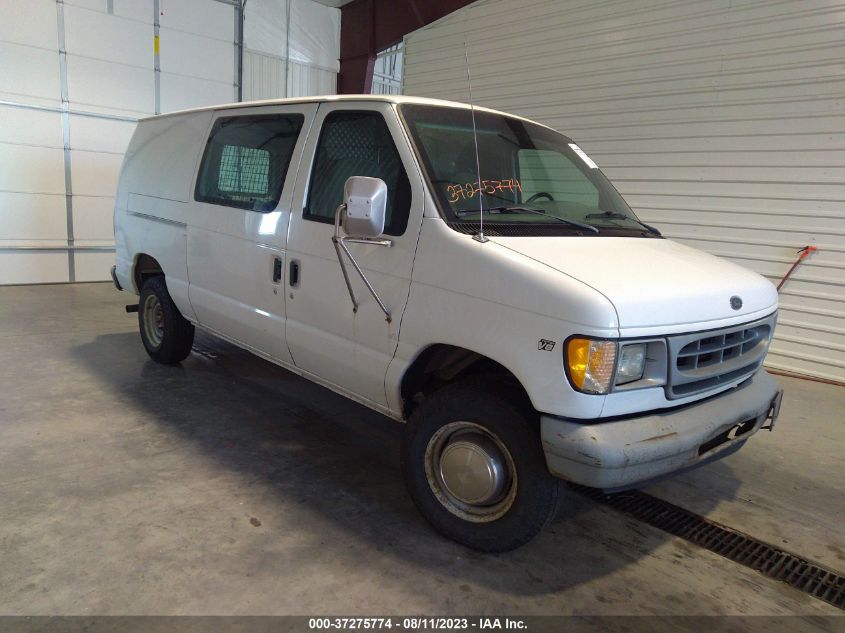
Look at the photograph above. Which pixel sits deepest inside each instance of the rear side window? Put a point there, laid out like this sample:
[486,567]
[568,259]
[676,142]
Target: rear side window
[357,144]
[246,160]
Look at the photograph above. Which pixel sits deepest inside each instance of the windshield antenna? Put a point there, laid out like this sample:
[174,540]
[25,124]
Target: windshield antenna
[478,237]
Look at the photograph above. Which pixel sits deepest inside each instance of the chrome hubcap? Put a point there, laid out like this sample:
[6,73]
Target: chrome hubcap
[471,472]
[472,469]
[153,321]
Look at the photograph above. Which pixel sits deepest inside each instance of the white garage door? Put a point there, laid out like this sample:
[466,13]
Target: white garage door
[74,77]
[721,121]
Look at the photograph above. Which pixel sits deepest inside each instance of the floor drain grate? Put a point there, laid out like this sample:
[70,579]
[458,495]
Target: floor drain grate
[769,560]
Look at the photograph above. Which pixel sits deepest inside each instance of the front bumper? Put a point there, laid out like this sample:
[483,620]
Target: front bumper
[628,452]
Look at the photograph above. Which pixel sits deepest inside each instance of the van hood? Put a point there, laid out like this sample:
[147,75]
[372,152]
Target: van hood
[653,282]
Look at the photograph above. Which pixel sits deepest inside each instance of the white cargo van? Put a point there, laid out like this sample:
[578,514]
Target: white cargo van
[467,271]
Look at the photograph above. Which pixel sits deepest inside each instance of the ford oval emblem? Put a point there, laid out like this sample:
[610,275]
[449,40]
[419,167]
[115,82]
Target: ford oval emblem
[736,302]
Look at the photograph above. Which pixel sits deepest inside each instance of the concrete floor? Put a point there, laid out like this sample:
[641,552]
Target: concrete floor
[230,486]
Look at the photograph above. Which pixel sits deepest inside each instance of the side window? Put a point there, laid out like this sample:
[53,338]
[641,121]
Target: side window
[246,160]
[357,144]
[551,172]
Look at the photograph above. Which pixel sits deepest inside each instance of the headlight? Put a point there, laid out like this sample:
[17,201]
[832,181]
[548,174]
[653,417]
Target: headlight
[631,363]
[590,364]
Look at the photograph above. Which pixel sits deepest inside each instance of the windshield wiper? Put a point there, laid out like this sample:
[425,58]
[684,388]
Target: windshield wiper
[615,215]
[518,209]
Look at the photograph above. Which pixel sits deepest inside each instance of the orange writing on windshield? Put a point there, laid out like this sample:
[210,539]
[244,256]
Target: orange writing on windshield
[490,187]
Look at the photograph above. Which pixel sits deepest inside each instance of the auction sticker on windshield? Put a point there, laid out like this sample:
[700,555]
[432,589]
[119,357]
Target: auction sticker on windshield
[490,187]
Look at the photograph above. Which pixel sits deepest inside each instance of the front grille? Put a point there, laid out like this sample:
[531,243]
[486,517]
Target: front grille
[706,360]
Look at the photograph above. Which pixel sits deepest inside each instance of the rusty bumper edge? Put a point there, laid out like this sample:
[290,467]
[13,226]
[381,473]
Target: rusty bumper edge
[624,453]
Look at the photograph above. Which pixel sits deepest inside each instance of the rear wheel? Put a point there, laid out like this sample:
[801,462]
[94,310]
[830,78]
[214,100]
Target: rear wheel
[474,466]
[166,334]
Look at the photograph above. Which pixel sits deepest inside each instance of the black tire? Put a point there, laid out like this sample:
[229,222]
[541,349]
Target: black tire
[166,334]
[532,500]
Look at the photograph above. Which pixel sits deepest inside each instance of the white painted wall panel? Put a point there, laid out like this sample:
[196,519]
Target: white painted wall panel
[31,169]
[32,219]
[29,23]
[138,10]
[201,17]
[95,173]
[29,73]
[33,267]
[93,220]
[90,266]
[101,86]
[720,121]
[108,37]
[314,49]
[315,34]
[265,27]
[96,134]
[111,83]
[179,92]
[199,57]
[21,126]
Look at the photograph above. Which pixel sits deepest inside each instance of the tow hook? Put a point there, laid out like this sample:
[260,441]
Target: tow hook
[774,412]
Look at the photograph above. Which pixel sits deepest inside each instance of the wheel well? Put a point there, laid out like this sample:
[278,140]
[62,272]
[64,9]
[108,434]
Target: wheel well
[146,267]
[440,364]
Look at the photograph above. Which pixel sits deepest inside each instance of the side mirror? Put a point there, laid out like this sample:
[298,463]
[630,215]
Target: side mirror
[366,204]
[362,215]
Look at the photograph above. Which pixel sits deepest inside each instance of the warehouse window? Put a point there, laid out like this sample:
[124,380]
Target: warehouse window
[246,161]
[357,144]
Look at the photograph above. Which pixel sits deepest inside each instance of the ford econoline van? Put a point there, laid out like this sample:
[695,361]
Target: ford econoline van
[468,272]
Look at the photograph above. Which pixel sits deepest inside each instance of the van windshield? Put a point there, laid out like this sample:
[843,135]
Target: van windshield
[531,176]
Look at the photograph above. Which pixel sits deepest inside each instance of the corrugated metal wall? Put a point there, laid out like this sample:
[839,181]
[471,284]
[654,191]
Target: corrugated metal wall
[387,71]
[265,77]
[721,121]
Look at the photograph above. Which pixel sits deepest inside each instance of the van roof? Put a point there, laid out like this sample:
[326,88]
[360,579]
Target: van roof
[338,98]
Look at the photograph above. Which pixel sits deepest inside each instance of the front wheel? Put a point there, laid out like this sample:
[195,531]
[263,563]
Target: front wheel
[473,464]
[166,334]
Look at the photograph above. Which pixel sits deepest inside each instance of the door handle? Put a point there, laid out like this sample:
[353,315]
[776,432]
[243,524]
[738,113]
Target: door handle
[277,269]
[293,273]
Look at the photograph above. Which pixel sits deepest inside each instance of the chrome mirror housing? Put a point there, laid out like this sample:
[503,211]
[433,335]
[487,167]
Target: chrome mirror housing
[364,207]
[362,217]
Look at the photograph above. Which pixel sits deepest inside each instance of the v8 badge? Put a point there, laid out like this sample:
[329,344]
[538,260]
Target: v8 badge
[544,345]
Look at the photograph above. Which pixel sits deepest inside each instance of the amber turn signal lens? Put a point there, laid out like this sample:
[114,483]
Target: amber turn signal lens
[591,364]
